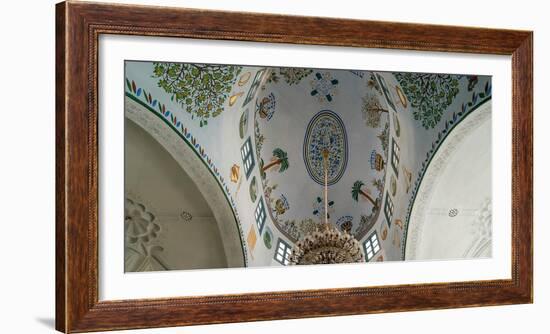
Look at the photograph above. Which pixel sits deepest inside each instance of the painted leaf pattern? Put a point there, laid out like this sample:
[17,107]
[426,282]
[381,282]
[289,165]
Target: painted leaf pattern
[201,89]
[429,95]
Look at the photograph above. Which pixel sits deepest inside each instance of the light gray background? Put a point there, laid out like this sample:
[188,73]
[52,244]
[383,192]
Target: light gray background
[27,165]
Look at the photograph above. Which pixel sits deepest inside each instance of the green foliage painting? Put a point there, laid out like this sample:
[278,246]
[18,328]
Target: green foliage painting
[356,191]
[291,75]
[201,89]
[429,95]
[372,110]
[280,158]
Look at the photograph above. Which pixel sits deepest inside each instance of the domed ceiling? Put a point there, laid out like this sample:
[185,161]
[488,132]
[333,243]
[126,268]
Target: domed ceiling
[322,112]
[268,134]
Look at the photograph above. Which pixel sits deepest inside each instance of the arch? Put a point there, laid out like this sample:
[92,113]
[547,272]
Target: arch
[189,160]
[435,220]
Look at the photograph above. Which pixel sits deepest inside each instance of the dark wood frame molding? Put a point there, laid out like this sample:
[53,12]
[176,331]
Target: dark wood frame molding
[78,26]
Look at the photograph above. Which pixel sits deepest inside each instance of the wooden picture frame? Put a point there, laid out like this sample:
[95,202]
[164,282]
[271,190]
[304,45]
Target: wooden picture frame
[78,27]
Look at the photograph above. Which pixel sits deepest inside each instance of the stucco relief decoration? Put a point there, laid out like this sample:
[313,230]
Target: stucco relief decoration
[139,225]
[140,233]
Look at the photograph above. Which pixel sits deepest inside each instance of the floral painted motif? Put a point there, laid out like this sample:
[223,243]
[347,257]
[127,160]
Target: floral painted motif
[268,238]
[253,189]
[243,124]
[326,134]
[296,229]
[384,138]
[324,87]
[291,75]
[259,138]
[281,206]
[319,208]
[360,74]
[201,89]
[429,95]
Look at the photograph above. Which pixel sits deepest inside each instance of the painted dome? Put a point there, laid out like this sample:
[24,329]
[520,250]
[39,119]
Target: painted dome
[325,110]
[263,132]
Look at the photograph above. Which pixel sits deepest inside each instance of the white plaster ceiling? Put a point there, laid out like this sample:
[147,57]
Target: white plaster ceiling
[158,186]
[152,172]
[451,216]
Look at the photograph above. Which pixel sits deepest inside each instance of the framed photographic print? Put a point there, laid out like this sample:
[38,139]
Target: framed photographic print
[221,166]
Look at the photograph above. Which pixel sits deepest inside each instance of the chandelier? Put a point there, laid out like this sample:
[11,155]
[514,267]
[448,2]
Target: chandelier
[327,244]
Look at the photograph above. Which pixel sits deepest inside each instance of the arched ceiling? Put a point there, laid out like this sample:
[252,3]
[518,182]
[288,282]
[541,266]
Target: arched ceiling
[153,172]
[263,131]
[193,217]
[455,224]
[165,209]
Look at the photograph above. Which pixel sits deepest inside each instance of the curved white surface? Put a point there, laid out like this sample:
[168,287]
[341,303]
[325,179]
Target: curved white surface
[451,216]
[196,170]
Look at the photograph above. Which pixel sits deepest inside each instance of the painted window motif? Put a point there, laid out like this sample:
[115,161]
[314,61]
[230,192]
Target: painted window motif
[395,157]
[259,215]
[248,157]
[388,208]
[371,246]
[282,255]
[254,87]
[386,91]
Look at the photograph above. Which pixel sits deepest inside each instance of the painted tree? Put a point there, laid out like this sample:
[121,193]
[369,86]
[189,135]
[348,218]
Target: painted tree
[293,75]
[372,110]
[201,89]
[356,191]
[430,95]
[279,158]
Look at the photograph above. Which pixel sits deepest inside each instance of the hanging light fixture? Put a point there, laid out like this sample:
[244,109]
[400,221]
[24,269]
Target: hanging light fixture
[327,244]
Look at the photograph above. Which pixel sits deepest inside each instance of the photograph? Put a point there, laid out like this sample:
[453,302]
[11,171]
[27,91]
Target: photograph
[216,164]
[231,165]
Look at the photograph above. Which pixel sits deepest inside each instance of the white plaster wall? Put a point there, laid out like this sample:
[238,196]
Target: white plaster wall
[197,172]
[157,181]
[458,177]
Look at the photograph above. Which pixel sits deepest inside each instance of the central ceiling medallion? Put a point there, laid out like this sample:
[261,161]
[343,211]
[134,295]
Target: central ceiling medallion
[326,132]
